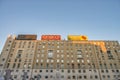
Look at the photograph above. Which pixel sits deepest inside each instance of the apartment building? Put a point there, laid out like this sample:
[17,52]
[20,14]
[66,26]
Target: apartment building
[51,58]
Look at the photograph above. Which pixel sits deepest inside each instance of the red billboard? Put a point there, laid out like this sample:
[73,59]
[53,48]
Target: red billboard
[50,37]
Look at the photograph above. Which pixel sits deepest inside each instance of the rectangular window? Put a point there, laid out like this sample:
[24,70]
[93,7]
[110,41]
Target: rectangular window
[50,53]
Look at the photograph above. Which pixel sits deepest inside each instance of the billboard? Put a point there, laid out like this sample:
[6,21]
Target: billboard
[26,37]
[50,37]
[77,37]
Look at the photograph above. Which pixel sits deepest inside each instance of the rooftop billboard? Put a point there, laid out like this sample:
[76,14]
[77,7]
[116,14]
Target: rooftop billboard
[50,37]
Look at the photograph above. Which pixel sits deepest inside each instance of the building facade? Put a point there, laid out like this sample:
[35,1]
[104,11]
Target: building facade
[51,58]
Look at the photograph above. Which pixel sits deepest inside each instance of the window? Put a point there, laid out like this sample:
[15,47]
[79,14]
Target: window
[57,60]
[80,77]
[91,77]
[62,65]
[19,60]
[46,70]
[8,65]
[85,77]
[72,66]
[96,76]
[107,71]
[88,61]
[69,77]
[52,61]
[72,61]
[62,70]
[51,70]
[47,60]
[37,61]
[84,71]
[113,71]
[40,70]
[50,53]
[108,76]
[79,71]
[58,51]
[79,54]
[103,76]
[78,65]
[14,65]
[46,77]
[25,65]
[73,77]
[18,65]
[15,76]
[41,60]
[82,61]
[117,71]
[51,76]
[68,71]
[3,59]
[102,71]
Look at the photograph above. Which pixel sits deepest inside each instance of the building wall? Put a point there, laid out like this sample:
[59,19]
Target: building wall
[61,59]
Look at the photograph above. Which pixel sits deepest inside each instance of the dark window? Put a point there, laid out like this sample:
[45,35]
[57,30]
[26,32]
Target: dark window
[62,71]
[113,71]
[78,65]
[73,66]
[84,71]
[14,65]
[79,71]
[108,76]
[68,71]
[27,77]
[3,59]
[117,70]
[18,65]
[51,70]
[15,76]
[40,70]
[17,70]
[102,71]
[19,60]
[73,77]
[46,70]
[107,71]
[35,76]
[85,77]
[96,76]
[27,70]
[46,77]
[80,77]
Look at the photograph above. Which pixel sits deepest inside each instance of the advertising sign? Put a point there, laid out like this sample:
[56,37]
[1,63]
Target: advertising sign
[50,37]
[77,37]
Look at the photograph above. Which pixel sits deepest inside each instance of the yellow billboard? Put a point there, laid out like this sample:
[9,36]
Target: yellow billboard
[77,37]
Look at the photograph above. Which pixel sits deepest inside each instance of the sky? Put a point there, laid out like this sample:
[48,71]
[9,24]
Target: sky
[98,19]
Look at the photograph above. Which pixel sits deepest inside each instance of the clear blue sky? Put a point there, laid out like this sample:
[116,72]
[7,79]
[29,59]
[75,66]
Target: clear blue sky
[98,19]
